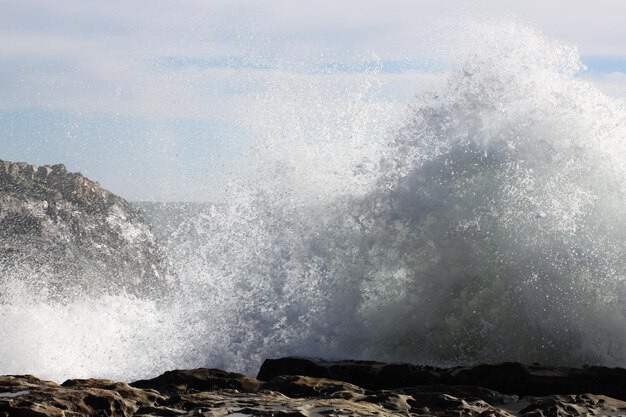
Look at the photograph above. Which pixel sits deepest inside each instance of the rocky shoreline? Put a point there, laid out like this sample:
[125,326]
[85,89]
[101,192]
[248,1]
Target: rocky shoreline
[301,387]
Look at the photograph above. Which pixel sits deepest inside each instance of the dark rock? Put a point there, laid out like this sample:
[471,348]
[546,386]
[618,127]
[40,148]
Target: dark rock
[574,405]
[506,378]
[390,401]
[366,374]
[522,380]
[468,392]
[216,393]
[271,413]
[123,389]
[159,411]
[295,386]
[202,379]
[61,230]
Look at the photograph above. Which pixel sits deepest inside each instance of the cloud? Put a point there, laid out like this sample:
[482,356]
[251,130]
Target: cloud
[189,59]
[204,69]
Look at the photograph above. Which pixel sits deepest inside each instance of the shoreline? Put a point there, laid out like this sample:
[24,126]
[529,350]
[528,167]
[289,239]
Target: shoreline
[302,387]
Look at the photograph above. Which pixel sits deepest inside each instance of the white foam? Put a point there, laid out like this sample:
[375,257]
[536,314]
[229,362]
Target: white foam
[487,226]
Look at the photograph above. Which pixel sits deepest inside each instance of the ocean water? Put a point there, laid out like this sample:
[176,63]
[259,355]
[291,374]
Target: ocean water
[485,222]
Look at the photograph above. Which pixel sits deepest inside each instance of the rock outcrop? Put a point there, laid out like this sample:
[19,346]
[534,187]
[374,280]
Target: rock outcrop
[216,393]
[63,231]
[507,378]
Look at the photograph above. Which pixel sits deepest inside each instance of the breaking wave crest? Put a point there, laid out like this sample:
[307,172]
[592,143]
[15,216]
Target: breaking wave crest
[488,225]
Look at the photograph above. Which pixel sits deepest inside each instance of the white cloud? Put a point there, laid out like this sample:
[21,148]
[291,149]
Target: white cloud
[108,56]
[123,58]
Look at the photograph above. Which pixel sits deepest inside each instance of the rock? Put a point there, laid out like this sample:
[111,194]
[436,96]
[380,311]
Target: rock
[366,374]
[33,397]
[63,231]
[390,401]
[196,380]
[506,378]
[124,390]
[468,392]
[217,393]
[536,380]
[574,405]
[295,386]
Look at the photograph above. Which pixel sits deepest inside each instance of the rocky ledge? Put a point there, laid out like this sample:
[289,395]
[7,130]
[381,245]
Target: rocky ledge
[60,229]
[298,387]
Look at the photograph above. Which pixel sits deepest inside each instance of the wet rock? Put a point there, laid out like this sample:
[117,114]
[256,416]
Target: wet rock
[390,401]
[366,374]
[217,393]
[573,405]
[468,392]
[195,380]
[536,380]
[33,397]
[62,230]
[440,404]
[295,386]
[139,396]
[159,411]
[506,378]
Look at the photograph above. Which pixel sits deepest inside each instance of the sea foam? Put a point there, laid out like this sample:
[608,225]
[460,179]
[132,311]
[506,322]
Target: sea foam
[484,223]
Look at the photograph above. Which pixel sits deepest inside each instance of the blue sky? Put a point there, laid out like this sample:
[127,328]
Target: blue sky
[157,100]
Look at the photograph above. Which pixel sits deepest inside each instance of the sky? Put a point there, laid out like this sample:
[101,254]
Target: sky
[158,100]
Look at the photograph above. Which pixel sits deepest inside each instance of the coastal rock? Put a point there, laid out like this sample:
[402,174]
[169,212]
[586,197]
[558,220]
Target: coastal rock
[26,396]
[217,393]
[64,232]
[574,405]
[506,378]
[367,374]
[296,386]
[197,380]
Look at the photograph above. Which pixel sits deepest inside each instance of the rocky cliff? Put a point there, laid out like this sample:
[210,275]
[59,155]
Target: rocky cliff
[60,230]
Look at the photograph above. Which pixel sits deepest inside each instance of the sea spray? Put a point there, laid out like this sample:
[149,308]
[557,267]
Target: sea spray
[486,228]
[485,225]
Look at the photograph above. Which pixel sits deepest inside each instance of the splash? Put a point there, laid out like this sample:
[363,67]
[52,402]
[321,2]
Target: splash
[488,225]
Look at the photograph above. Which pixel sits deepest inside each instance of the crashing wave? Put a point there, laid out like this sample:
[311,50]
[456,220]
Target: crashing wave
[488,226]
